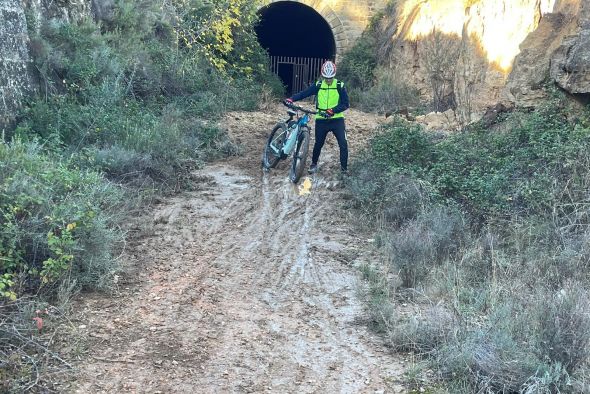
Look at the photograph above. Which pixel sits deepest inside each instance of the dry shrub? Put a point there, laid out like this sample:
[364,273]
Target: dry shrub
[550,257]
[28,361]
[477,261]
[486,361]
[439,59]
[534,343]
[377,297]
[424,243]
[389,94]
[406,199]
[471,69]
[424,332]
[564,328]
[498,365]
[395,198]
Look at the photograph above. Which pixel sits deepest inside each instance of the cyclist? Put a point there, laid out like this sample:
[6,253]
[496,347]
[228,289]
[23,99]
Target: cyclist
[331,102]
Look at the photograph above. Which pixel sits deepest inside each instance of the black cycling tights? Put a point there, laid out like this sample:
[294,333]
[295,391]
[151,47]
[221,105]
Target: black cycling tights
[322,128]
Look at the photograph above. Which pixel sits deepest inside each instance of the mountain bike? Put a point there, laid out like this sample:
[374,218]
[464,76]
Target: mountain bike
[289,136]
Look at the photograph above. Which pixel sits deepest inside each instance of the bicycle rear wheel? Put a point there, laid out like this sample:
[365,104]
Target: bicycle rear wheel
[300,155]
[274,147]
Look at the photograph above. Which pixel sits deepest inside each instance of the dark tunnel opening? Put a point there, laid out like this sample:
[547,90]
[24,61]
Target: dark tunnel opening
[298,39]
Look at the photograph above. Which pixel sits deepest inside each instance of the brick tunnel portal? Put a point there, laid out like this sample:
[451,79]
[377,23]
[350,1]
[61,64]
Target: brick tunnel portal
[298,40]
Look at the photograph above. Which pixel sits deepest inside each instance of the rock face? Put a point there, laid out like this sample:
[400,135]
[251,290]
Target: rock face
[15,63]
[570,63]
[15,83]
[558,51]
[497,50]
[439,121]
[531,67]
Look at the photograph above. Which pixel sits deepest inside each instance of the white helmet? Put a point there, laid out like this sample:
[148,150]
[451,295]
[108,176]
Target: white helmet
[328,69]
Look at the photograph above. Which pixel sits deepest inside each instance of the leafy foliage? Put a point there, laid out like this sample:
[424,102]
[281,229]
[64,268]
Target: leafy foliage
[509,268]
[223,31]
[51,214]
[131,98]
[359,62]
[522,170]
[135,95]
[127,107]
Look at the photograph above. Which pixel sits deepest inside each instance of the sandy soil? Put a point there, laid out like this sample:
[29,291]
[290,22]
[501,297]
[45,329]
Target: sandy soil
[243,285]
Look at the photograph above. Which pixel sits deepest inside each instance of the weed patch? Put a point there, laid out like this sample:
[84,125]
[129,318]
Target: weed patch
[58,222]
[498,242]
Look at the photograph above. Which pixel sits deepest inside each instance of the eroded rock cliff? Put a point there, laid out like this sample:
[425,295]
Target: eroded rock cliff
[570,63]
[558,51]
[487,51]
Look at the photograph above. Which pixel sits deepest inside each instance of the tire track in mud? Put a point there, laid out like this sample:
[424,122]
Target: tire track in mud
[290,282]
[240,287]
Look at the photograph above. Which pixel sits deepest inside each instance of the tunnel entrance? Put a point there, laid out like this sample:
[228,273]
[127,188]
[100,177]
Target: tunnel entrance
[298,40]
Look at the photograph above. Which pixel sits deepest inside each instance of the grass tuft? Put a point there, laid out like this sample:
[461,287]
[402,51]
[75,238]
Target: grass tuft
[491,227]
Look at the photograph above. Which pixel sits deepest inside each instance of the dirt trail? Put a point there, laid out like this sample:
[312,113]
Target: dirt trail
[240,286]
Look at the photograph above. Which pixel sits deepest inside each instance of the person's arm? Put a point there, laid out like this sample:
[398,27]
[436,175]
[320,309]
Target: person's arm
[343,102]
[310,91]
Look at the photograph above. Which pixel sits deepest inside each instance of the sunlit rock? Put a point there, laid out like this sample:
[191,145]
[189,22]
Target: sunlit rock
[496,50]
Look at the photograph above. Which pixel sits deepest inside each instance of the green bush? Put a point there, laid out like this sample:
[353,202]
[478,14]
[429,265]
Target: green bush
[521,170]
[402,147]
[88,131]
[140,104]
[514,272]
[424,243]
[359,62]
[56,222]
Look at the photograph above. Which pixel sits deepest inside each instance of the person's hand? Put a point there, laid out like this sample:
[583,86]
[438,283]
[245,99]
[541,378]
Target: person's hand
[288,101]
[329,113]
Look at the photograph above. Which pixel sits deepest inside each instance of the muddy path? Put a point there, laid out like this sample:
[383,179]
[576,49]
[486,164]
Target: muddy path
[242,285]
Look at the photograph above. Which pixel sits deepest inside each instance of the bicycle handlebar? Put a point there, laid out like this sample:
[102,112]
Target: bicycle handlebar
[298,108]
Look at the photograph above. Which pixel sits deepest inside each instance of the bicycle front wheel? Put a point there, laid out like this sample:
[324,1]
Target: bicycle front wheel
[274,147]
[300,155]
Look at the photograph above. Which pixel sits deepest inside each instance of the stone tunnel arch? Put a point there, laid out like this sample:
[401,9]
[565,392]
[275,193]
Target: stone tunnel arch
[298,39]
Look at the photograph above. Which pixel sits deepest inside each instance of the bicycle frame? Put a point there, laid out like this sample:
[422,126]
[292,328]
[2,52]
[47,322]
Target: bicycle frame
[289,138]
[292,138]
[293,133]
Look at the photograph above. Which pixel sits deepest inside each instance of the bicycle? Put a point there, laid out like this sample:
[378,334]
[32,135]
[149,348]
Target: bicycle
[289,136]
